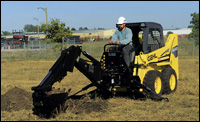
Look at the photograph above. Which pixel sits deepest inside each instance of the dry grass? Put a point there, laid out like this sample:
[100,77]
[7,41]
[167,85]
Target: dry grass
[183,104]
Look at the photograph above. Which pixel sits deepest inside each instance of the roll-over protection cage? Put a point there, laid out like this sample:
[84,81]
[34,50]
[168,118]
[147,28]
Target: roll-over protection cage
[148,29]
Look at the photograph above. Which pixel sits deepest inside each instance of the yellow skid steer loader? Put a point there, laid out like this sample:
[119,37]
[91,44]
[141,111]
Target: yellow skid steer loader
[153,70]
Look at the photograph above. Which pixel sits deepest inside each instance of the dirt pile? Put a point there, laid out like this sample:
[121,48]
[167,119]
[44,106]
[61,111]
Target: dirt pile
[16,99]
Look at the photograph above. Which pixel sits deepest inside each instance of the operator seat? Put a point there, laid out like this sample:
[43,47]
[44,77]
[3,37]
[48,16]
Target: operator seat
[137,47]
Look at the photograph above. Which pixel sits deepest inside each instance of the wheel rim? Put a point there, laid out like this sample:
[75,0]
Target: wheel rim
[158,85]
[172,82]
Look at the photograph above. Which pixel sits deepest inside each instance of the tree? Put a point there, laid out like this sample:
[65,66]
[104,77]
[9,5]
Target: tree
[85,28]
[195,27]
[73,29]
[44,27]
[6,33]
[31,28]
[169,32]
[81,28]
[56,30]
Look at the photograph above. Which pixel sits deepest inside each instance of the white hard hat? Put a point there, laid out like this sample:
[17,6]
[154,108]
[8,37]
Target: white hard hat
[121,20]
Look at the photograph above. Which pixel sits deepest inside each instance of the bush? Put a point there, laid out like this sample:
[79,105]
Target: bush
[58,47]
[48,40]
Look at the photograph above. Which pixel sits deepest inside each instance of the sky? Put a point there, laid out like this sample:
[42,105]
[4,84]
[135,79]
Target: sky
[97,14]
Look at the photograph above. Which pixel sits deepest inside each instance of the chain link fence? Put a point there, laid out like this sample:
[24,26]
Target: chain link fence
[188,47]
[37,49]
[34,48]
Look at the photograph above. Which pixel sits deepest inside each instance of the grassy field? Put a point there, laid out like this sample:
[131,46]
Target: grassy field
[95,48]
[185,50]
[183,105]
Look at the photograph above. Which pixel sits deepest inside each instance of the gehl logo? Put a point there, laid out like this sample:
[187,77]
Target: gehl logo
[151,57]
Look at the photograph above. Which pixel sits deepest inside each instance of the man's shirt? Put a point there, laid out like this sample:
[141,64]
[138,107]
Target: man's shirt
[123,36]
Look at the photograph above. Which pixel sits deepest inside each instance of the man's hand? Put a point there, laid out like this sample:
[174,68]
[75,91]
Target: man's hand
[111,41]
[117,42]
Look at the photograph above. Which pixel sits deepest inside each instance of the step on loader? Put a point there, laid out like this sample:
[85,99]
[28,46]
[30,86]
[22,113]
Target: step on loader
[154,70]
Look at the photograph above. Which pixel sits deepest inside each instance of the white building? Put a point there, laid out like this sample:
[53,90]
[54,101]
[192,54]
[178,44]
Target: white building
[182,31]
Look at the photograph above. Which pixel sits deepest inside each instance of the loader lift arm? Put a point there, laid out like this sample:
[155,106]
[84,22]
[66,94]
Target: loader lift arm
[66,62]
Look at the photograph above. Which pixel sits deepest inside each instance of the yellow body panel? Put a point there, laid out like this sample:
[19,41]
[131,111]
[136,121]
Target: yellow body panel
[159,59]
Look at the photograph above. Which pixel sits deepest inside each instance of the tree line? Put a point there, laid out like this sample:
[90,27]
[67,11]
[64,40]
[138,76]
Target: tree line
[34,28]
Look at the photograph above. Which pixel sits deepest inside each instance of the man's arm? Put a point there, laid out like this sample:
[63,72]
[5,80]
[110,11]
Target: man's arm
[114,37]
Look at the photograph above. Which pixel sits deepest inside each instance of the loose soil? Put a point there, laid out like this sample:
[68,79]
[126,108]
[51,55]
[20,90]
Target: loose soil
[17,99]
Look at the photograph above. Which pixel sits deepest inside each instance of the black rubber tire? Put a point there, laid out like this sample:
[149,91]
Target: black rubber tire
[169,79]
[150,80]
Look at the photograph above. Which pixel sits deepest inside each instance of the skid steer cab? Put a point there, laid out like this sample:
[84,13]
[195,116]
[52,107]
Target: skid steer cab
[153,70]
